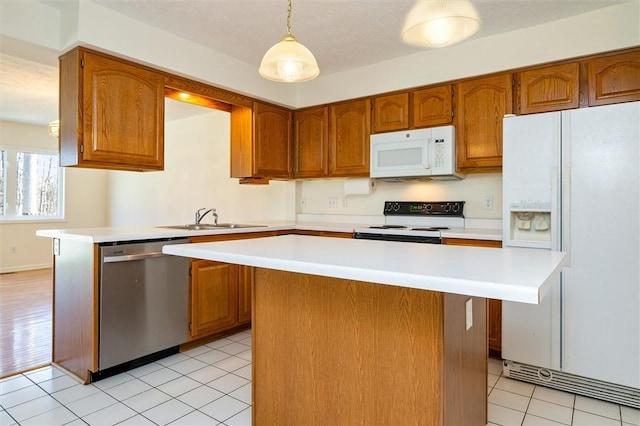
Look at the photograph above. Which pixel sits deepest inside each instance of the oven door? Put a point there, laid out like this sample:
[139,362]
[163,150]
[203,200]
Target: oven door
[400,238]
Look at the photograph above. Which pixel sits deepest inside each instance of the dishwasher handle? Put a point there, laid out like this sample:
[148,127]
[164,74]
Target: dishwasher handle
[132,257]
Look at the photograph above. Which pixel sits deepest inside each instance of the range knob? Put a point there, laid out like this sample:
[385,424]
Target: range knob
[428,207]
[447,207]
[396,207]
[456,207]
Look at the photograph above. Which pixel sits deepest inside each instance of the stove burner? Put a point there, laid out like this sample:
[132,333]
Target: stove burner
[388,227]
[432,228]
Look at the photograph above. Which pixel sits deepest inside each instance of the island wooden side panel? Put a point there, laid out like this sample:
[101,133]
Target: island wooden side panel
[465,367]
[75,308]
[333,351]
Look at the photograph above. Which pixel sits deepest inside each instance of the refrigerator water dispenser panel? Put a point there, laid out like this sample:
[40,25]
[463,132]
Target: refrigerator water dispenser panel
[530,229]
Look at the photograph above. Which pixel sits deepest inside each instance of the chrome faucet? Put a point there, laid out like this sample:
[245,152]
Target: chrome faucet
[199,217]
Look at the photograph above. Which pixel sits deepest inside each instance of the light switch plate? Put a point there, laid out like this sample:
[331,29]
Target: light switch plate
[469,315]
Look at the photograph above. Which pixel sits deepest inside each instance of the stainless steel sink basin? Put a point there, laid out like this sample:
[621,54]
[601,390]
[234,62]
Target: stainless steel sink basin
[204,226]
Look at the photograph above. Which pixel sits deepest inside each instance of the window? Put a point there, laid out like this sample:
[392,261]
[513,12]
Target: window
[31,185]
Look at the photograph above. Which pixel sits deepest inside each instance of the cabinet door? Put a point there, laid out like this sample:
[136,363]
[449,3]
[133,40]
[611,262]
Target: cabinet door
[391,113]
[123,114]
[494,325]
[311,142]
[349,130]
[482,104]
[272,141]
[551,88]
[244,294]
[432,106]
[214,297]
[614,79]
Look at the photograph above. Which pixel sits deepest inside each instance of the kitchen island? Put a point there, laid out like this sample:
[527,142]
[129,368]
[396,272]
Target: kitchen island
[374,332]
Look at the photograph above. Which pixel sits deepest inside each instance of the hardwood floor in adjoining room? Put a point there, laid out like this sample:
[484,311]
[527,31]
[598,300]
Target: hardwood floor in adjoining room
[26,301]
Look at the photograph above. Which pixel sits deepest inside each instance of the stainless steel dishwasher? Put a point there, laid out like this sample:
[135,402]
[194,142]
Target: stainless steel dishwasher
[143,301]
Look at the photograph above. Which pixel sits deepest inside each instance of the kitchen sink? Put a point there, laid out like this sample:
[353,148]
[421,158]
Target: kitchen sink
[205,226]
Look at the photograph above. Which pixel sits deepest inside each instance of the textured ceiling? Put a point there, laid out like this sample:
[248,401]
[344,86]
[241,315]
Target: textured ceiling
[342,34]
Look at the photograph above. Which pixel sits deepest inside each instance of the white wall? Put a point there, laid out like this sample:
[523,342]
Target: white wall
[472,190]
[85,204]
[197,152]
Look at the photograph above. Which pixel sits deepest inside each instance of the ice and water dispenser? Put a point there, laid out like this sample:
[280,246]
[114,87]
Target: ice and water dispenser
[529,225]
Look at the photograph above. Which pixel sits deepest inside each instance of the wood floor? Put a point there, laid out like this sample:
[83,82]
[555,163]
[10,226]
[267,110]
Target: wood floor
[26,300]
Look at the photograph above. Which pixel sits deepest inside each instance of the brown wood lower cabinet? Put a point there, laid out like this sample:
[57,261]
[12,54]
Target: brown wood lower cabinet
[214,297]
[220,293]
[245,275]
[494,308]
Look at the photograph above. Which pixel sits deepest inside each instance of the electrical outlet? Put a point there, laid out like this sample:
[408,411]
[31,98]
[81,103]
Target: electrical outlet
[488,202]
[13,249]
[469,313]
[343,202]
[333,202]
[303,202]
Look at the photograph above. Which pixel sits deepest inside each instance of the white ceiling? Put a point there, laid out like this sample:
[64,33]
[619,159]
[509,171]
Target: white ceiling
[342,34]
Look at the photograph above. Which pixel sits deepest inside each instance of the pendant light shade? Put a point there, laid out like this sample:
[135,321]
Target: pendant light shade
[440,23]
[289,61]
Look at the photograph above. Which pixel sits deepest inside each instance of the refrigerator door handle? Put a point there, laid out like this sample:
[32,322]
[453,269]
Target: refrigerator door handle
[555,210]
[565,242]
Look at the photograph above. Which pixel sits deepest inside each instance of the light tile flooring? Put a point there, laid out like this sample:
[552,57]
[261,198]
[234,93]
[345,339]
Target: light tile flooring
[512,402]
[211,385]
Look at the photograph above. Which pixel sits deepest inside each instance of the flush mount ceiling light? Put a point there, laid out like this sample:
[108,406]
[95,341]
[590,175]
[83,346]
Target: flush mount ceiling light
[54,128]
[289,61]
[440,23]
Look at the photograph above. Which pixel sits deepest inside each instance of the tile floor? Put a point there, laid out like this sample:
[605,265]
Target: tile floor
[211,385]
[512,402]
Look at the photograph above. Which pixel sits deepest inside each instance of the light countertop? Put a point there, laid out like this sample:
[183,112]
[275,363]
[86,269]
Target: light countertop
[519,275]
[107,235]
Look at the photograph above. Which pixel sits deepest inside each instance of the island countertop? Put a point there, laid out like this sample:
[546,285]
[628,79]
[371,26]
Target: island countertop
[513,274]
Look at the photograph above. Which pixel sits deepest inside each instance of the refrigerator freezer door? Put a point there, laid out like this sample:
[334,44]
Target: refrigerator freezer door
[601,289]
[531,158]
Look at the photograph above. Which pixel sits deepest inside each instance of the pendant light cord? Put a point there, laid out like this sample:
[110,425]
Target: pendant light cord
[289,18]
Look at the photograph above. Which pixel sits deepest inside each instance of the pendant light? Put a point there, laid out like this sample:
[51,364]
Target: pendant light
[440,23]
[289,61]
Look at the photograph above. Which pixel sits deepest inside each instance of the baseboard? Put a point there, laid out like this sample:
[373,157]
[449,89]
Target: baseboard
[9,270]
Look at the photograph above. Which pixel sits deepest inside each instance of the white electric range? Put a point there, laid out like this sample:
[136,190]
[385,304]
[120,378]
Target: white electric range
[415,221]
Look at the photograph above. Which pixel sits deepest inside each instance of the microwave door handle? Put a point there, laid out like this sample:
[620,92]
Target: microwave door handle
[426,154]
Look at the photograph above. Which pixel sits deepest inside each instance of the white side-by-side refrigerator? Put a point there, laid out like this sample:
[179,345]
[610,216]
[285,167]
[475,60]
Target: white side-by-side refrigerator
[571,182]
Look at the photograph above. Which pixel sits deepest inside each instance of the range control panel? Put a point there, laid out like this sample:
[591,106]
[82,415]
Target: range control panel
[424,208]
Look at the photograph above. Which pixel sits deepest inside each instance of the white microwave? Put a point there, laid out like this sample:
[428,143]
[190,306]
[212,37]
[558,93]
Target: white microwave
[421,153]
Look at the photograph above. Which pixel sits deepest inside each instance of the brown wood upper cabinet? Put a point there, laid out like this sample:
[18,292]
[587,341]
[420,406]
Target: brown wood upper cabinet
[614,78]
[429,107]
[260,142]
[482,104]
[349,130]
[311,142]
[550,88]
[432,106]
[111,113]
[391,112]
